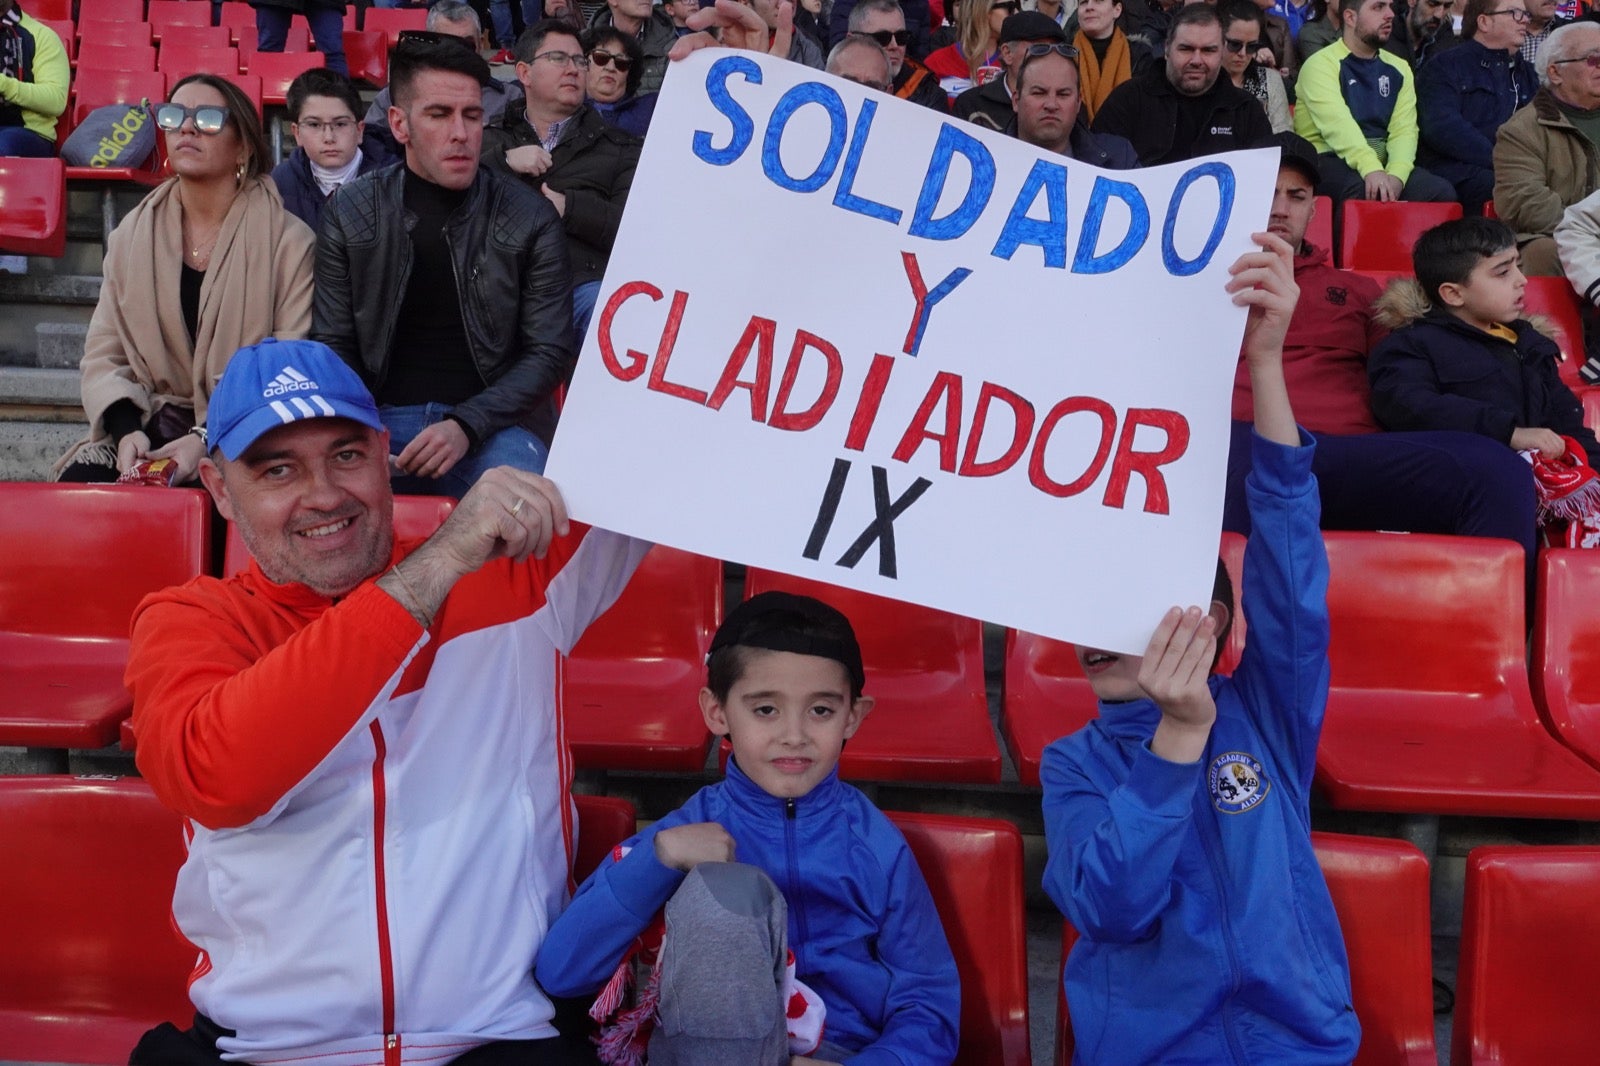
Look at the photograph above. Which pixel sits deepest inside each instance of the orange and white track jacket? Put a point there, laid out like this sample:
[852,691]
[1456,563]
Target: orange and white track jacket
[379,815]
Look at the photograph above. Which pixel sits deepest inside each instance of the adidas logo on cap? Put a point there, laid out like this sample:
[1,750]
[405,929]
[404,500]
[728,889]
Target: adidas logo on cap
[288,380]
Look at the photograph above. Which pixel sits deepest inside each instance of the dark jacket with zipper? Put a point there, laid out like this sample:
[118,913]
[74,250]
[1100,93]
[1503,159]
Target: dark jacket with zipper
[1144,111]
[592,166]
[1463,98]
[512,279]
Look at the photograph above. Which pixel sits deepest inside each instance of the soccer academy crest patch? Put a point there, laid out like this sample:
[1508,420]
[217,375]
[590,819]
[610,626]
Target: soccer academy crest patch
[1237,782]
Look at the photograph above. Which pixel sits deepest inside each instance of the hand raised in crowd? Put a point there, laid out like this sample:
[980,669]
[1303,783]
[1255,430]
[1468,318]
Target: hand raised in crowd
[131,450]
[507,513]
[186,451]
[1174,673]
[1264,282]
[530,159]
[1547,442]
[435,450]
[740,27]
[683,847]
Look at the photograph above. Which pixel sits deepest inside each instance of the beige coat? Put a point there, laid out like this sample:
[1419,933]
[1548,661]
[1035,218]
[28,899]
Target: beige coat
[1542,165]
[258,285]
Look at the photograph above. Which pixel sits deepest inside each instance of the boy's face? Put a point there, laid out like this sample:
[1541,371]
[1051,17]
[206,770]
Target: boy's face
[1493,292]
[328,132]
[787,718]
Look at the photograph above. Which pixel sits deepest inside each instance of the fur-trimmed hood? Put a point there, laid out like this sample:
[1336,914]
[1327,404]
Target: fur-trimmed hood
[1403,303]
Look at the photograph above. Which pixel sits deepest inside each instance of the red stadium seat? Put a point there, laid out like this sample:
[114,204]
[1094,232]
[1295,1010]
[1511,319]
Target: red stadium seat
[94,87]
[415,518]
[1320,231]
[92,55]
[973,867]
[1380,893]
[74,563]
[195,37]
[178,61]
[391,20]
[90,959]
[630,689]
[1566,647]
[111,10]
[1555,300]
[1046,695]
[925,668]
[296,41]
[277,69]
[1379,236]
[165,14]
[134,34]
[1430,710]
[367,55]
[33,207]
[64,29]
[51,10]
[603,823]
[1530,957]
[240,18]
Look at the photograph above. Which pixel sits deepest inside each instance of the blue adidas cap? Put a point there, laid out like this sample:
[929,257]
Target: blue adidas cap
[274,383]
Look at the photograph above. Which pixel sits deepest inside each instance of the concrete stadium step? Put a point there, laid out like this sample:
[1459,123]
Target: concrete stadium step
[29,449]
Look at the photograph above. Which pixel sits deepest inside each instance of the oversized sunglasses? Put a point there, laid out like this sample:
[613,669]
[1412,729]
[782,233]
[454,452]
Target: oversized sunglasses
[208,118]
[1242,46]
[602,58]
[887,37]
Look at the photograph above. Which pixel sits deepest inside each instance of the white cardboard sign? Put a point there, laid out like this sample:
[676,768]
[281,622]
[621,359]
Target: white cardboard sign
[846,338]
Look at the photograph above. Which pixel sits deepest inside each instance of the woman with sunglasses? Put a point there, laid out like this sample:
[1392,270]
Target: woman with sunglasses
[1106,57]
[206,264]
[1244,33]
[616,69]
[975,57]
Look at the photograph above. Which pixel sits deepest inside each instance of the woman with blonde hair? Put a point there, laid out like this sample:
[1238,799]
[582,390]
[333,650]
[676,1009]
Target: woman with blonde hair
[974,59]
[206,264]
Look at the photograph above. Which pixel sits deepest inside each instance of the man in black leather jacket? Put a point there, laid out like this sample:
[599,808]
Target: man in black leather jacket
[447,286]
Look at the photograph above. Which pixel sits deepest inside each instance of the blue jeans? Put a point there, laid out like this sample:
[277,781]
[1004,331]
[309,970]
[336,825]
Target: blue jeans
[327,29]
[583,300]
[512,446]
[20,142]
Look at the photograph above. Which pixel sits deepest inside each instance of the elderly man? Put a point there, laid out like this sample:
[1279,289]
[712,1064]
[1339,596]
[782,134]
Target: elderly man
[1545,157]
[1048,103]
[1358,108]
[560,146]
[861,60]
[1465,95]
[992,103]
[1182,108]
[336,724]
[885,23]
[456,21]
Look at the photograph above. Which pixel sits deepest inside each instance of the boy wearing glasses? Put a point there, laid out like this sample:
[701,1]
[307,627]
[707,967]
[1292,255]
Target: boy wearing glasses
[322,109]
[1467,94]
[558,145]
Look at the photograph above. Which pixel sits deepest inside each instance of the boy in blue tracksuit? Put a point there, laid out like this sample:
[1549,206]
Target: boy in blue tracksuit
[1178,822]
[784,684]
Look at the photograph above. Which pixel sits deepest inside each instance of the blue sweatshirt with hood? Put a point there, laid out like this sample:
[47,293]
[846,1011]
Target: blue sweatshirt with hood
[1208,935]
[862,924]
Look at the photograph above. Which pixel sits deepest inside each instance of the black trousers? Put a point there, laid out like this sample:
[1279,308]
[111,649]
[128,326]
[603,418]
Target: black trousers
[167,1045]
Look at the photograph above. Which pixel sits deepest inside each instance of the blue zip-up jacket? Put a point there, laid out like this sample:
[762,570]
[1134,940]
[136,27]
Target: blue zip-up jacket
[1463,98]
[1208,935]
[298,186]
[862,925]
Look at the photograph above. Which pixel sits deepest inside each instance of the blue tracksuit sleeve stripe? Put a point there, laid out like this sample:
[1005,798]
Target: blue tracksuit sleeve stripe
[1283,681]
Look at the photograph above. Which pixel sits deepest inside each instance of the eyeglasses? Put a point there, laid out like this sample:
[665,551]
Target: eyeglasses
[1517,14]
[887,37]
[561,59]
[1010,7]
[1044,48]
[602,58]
[1241,46]
[1591,60]
[317,128]
[208,118]
[414,38]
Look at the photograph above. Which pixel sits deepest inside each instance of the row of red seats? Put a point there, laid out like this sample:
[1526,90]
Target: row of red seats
[1431,708]
[84,971]
[1530,953]
[164,13]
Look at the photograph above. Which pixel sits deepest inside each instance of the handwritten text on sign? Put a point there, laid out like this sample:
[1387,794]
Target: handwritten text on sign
[844,337]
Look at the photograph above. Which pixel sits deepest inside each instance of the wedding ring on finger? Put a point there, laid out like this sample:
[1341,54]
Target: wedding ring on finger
[516,508]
